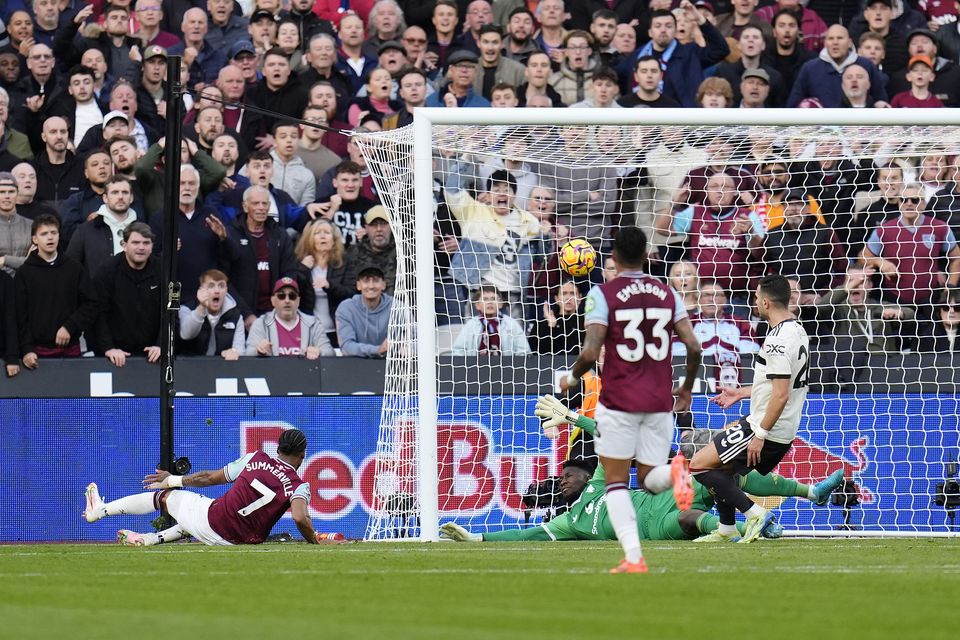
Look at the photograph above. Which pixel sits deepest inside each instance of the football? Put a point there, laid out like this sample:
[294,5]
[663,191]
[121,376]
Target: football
[578,257]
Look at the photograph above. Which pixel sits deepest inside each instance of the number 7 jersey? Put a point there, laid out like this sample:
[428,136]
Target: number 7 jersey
[785,354]
[262,489]
[639,312]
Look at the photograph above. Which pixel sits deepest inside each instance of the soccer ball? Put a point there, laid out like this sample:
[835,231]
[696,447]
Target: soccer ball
[578,257]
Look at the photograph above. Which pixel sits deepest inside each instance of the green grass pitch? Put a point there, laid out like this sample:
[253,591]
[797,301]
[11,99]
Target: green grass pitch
[809,589]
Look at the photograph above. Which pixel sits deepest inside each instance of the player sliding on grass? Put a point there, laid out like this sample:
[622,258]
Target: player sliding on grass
[263,489]
[634,317]
[657,514]
[759,441]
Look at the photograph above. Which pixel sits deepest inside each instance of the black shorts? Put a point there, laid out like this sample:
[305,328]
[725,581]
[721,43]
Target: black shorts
[732,447]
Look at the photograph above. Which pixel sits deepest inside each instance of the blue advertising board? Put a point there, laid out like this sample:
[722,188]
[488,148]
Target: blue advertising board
[894,447]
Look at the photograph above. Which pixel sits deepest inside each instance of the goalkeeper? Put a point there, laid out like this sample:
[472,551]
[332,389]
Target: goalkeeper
[657,514]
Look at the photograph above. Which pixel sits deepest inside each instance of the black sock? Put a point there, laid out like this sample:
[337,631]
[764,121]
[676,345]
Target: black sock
[725,488]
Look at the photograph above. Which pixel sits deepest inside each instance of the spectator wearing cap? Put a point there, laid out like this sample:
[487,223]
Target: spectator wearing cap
[393,57]
[242,55]
[462,69]
[285,330]
[444,39]
[684,63]
[260,252]
[752,46]
[202,58]
[59,171]
[308,23]
[921,75]
[604,85]
[754,89]
[904,18]
[100,237]
[385,25]
[27,204]
[810,26]
[946,84]
[731,24]
[151,107]
[115,123]
[376,248]
[803,246]
[537,85]
[149,16]
[878,15]
[788,52]
[214,327]
[351,61]
[363,320]
[377,99]
[118,47]
[225,27]
[518,41]
[279,92]
[55,299]
[262,30]
[821,78]
[128,298]
[648,77]
[15,236]
[572,81]
[494,67]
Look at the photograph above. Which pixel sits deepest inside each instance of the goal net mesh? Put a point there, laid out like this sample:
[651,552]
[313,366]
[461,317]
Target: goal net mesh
[861,219]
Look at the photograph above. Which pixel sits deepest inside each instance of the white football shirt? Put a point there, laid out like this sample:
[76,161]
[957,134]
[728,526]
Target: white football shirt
[785,354]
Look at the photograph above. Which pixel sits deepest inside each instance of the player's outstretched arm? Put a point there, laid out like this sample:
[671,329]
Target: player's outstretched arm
[684,392]
[555,413]
[301,516]
[166,480]
[593,339]
[729,397]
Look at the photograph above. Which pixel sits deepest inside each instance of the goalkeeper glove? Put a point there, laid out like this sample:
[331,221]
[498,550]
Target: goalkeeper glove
[554,413]
[455,532]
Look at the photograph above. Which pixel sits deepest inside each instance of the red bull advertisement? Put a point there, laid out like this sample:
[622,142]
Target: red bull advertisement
[490,449]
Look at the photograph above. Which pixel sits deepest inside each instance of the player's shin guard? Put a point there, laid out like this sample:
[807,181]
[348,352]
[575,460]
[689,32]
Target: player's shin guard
[137,504]
[658,479]
[624,520]
[725,488]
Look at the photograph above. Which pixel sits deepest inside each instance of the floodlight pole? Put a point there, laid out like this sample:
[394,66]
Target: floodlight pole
[172,94]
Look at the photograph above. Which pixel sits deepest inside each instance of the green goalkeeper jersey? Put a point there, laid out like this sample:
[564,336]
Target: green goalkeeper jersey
[587,518]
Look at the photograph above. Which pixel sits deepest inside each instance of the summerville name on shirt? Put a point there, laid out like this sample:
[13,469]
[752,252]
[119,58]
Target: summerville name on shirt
[275,471]
[636,288]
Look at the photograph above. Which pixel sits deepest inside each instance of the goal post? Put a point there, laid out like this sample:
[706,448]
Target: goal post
[456,426]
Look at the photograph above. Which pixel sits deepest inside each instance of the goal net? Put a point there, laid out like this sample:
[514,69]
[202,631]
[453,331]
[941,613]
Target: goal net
[860,210]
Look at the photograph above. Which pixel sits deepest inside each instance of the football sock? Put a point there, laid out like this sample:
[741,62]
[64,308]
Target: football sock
[728,516]
[624,520]
[137,504]
[774,485]
[724,488]
[754,512]
[172,534]
[658,479]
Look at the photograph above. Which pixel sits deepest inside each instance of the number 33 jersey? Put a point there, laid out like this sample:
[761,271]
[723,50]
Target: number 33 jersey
[262,489]
[785,354]
[639,312]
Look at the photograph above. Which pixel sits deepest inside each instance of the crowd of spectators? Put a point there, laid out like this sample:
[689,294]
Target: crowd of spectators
[284,248]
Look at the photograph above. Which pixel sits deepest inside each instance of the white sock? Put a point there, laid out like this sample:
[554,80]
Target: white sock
[172,534]
[755,511]
[624,520]
[658,479]
[137,504]
[727,529]
[811,494]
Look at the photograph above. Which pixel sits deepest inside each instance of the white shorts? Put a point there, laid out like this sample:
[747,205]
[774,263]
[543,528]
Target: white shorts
[190,510]
[644,437]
